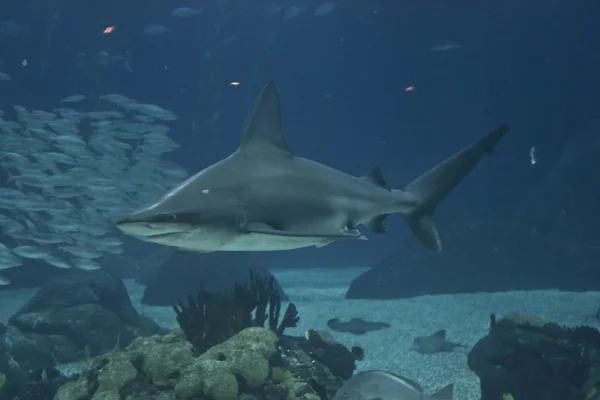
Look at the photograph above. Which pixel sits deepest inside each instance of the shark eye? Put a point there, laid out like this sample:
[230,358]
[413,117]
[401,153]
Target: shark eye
[171,217]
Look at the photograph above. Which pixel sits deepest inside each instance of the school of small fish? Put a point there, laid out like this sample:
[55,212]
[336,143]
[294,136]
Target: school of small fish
[289,12]
[67,174]
[286,12]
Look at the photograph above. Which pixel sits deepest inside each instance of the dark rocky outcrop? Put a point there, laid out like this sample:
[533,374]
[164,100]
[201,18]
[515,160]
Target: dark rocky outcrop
[565,198]
[40,384]
[187,272]
[533,359]
[488,256]
[32,274]
[76,314]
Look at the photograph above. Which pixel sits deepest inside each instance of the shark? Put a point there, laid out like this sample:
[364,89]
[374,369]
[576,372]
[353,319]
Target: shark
[263,197]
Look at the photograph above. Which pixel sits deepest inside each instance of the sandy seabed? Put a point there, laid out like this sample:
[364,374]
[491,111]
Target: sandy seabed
[319,296]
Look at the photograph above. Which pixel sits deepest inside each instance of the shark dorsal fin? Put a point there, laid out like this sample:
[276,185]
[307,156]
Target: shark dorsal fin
[264,130]
[375,176]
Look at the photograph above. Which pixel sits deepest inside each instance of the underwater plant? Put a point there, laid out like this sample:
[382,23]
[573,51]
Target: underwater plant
[211,318]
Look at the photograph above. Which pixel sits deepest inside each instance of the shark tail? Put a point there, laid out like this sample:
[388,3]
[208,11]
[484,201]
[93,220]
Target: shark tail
[428,190]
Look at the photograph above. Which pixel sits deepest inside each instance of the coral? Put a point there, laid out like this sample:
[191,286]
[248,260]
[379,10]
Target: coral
[245,356]
[116,378]
[292,386]
[74,390]
[211,318]
[254,363]
[163,357]
[166,363]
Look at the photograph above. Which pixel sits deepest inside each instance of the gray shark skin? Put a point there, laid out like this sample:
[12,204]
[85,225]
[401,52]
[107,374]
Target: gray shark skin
[263,198]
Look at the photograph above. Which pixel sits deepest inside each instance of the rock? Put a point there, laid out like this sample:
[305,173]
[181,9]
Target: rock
[74,390]
[13,373]
[561,200]
[253,364]
[533,359]
[70,313]
[32,274]
[306,370]
[37,385]
[489,256]
[187,272]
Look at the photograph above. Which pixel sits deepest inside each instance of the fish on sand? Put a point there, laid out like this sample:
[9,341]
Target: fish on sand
[263,197]
[435,343]
[381,385]
[356,326]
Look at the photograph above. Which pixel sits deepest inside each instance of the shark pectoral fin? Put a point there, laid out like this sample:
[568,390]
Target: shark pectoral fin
[266,229]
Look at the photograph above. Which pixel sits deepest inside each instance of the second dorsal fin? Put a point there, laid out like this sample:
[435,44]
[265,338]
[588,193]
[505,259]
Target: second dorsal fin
[376,177]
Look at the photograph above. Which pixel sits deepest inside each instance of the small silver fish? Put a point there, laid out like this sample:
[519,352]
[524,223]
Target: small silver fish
[184,12]
[446,47]
[383,385]
[155,29]
[73,99]
[4,281]
[292,12]
[325,8]
[10,28]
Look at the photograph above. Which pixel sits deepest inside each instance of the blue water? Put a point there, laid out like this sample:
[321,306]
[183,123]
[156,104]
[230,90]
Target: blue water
[395,84]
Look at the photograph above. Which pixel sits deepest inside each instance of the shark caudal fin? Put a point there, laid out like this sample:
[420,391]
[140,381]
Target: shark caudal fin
[429,189]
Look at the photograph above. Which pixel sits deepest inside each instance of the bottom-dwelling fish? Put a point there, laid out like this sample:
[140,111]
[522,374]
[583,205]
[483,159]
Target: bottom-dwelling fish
[383,385]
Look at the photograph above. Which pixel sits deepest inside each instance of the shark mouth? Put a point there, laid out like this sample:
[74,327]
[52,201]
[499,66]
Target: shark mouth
[161,235]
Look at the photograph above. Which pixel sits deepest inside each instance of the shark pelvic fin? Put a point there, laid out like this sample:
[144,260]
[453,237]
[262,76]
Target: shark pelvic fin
[264,131]
[376,224]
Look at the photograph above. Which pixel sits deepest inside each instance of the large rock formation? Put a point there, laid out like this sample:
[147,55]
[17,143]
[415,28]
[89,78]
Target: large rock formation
[71,317]
[565,199]
[488,256]
[533,359]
